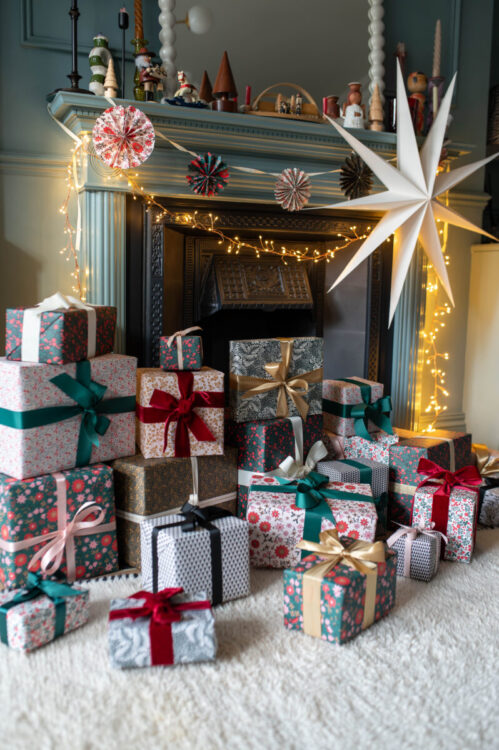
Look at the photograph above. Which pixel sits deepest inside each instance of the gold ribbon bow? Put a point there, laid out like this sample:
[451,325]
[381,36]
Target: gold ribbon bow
[487,461]
[295,387]
[361,556]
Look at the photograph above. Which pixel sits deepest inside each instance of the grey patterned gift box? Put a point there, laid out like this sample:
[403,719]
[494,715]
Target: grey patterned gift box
[489,512]
[248,360]
[193,637]
[184,558]
[424,552]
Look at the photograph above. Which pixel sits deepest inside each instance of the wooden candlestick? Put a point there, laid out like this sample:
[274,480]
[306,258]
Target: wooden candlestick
[139,23]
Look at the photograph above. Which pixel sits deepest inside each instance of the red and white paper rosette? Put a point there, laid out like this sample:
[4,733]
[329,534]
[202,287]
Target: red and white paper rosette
[123,137]
[292,189]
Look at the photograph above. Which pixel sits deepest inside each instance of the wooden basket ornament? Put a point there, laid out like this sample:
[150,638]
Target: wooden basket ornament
[265,104]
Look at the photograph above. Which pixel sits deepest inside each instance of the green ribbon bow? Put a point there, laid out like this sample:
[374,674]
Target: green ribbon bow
[88,395]
[377,412]
[56,590]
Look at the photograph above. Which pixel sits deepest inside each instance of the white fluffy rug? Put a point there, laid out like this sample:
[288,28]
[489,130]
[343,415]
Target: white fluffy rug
[425,677]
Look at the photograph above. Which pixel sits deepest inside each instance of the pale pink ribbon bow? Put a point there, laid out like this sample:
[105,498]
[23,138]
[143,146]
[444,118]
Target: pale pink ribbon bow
[411,533]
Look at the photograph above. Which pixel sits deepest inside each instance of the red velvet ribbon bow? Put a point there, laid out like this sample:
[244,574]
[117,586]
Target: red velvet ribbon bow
[163,407]
[162,612]
[467,478]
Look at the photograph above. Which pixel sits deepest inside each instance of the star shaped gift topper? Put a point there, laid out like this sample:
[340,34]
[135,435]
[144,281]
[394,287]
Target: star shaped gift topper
[410,201]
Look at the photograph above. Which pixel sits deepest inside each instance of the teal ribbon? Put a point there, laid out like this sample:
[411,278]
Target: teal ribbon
[88,395]
[377,412]
[381,502]
[36,586]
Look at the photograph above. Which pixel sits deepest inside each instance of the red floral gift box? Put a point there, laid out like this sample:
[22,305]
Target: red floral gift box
[181,351]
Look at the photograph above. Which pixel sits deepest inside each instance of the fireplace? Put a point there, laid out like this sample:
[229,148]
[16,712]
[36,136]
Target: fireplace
[179,277]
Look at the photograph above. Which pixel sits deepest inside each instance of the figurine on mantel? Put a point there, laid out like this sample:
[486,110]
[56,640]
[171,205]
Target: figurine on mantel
[99,58]
[436,82]
[186,89]
[147,81]
[376,111]
[417,83]
[110,83]
[353,111]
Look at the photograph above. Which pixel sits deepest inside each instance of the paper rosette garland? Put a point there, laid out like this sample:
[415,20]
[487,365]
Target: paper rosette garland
[123,137]
[292,189]
[210,174]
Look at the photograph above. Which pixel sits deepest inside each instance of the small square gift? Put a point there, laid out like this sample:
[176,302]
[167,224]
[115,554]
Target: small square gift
[201,549]
[56,417]
[272,378]
[377,448]
[340,589]
[43,610]
[449,500]
[63,521]
[418,551]
[181,350]
[281,513]
[487,462]
[168,627]
[180,414]
[354,406]
[59,330]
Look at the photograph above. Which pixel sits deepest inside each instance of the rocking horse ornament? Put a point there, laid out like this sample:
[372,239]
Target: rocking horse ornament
[186,90]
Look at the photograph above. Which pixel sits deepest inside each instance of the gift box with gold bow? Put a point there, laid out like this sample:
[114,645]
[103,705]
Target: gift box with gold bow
[183,350]
[56,417]
[355,406]
[275,378]
[58,522]
[340,589]
[180,413]
[281,512]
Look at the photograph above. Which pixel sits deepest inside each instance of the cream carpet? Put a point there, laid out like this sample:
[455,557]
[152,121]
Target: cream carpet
[425,677]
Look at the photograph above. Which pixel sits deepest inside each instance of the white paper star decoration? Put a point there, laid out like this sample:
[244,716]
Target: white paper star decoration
[410,200]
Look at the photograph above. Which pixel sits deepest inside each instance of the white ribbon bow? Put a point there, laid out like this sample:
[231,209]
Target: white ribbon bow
[411,533]
[293,469]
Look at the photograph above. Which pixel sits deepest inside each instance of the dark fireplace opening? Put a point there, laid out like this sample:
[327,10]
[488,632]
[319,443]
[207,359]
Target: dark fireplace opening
[177,278]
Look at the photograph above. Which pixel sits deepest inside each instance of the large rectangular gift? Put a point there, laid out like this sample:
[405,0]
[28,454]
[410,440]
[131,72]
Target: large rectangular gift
[335,598]
[146,487]
[202,549]
[275,378]
[63,521]
[355,406]
[450,450]
[56,417]
[58,332]
[43,610]
[180,413]
[377,448]
[264,444]
[181,351]
[139,635]
[281,513]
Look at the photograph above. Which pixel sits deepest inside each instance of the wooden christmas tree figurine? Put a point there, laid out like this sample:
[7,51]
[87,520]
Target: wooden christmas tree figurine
[376,111]
[205,91]
[110,83]
[224,89]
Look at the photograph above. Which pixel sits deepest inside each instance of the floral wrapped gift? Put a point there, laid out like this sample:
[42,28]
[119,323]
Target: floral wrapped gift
[147,487]
[449,500]
[43,610]
[263,445]
[57,417]
[275,378]
[418,551]
[169,627]
[180,413]
[375,449]
[201,549]
[59,330]
[340,589]
[63,521]
[281,513]
[354,406]
[181,351]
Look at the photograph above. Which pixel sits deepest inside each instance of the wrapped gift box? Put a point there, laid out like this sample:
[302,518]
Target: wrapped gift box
[43,429]
[41,507]
[334,444]
[264,444]
[376,449]
[451,450]
[63,334]
[146,487]
[489,510]
[251,363]
[34,622]
[135,640]
[188,404]
[191,349]
[342,600]
[186,555]
[417,557]
[462,517]
[276,524]
[338,398]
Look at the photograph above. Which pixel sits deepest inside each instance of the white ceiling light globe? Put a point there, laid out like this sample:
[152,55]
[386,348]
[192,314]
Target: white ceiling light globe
[199,19]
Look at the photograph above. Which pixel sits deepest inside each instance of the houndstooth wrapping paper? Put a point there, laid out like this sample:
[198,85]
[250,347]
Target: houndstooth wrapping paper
[184,557]
[341,470]
[489,512]
[425,556]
